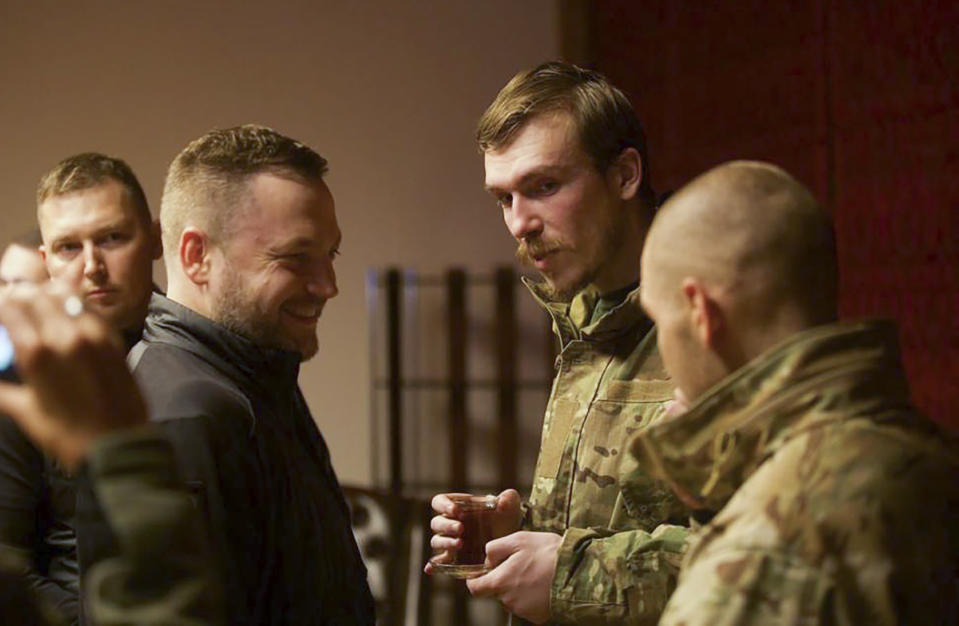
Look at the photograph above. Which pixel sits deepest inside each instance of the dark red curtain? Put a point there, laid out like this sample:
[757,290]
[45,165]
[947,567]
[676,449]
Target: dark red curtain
[860,100]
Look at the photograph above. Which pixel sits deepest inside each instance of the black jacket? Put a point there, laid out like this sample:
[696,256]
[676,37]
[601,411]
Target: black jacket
[36,519]
[259,468]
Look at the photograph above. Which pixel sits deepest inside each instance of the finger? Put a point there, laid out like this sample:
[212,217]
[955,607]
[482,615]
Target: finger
[508,501]
[498,550]
[484,586]
[21,326]
[14,401]
[442,503]
[439,542]
[445,526]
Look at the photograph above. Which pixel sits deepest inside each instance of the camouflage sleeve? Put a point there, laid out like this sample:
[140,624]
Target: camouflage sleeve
[162,574]
[605,577]
[746,586]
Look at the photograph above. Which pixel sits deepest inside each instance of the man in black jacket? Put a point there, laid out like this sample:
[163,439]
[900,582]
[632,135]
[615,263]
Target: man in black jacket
[250,235]
[99,239]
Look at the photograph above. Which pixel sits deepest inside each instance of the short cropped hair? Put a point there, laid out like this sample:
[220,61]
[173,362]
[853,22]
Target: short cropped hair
[91,169]
[206,180]
[605,120]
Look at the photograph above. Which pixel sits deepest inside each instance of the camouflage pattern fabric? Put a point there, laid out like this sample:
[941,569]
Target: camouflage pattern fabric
[615,565]
[163,574]
[837,501]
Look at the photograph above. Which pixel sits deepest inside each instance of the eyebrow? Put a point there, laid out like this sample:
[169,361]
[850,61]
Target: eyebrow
[120,224]
[546,170]
[300,243]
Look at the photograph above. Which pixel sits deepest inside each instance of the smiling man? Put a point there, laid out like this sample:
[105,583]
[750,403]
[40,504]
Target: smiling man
[250,236]
[565,159]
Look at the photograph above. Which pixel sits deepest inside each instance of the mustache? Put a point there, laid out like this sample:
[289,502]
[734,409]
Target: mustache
[528,249]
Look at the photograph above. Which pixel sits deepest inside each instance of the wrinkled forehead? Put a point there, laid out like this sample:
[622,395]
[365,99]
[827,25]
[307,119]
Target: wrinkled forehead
[548,140]
[101,206]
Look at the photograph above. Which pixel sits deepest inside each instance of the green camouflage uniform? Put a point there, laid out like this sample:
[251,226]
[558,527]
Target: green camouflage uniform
[609,384]
[162,574]
[836,499]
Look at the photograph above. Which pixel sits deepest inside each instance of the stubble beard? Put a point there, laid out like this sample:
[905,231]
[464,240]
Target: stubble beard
[235,309]
[610,241]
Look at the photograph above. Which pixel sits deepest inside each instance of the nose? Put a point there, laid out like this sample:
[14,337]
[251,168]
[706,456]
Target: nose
[322,281]
[522,219]
[93,266]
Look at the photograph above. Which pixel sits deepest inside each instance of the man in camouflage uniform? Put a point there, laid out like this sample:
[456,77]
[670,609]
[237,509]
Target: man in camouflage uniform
[565,159]
[837,502]
[98,425]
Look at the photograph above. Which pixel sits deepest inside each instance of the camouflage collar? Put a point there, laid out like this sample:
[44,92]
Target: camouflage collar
[571,319]
[819,376]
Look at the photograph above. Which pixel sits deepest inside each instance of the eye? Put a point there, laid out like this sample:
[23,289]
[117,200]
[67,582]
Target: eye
[504,200]
[335,252]
[546,186]
[113,238]
[67,250]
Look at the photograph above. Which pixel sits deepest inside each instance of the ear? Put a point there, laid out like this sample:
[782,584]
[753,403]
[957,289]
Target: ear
[628,169]
[195,255]
[706,316]
[156,240]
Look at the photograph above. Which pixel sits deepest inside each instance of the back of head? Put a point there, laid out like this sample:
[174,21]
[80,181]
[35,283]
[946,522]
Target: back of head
[605,120]
[205,183]
[88,170]
[757,235]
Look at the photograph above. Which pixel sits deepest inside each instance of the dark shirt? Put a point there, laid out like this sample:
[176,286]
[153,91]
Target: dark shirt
[259,470]
[36,519]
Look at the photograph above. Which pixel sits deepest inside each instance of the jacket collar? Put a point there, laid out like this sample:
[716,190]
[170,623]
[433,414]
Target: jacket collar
[171,322]
[571,319]
[823,375]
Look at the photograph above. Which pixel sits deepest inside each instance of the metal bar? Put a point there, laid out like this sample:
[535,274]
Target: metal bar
[395,374]
[456,383]
[395,371]
[506,338]
[373,314]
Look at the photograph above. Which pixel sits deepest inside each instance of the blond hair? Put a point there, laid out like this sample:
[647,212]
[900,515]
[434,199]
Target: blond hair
[605,121]
[206,181]
[92,169]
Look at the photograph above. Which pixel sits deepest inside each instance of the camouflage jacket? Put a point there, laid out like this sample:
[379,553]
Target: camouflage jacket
[163,573]
[836,499]
[610,383]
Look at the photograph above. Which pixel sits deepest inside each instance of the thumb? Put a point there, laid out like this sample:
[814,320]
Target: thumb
[498,550]
[16,402]
[508,500]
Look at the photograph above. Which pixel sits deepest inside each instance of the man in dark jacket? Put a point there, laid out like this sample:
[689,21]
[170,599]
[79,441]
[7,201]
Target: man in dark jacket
[97,426]
[250,236]
[98,238]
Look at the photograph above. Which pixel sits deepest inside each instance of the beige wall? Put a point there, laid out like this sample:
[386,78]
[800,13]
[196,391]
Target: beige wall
[387,91]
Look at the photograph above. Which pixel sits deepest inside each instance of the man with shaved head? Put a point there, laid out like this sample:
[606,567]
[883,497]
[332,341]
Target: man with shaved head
[837,502]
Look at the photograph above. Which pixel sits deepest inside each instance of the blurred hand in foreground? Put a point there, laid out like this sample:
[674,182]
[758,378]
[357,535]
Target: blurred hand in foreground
[75,382]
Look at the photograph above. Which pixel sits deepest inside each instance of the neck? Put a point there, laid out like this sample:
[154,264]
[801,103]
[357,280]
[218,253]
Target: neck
[184,292]
[622,268]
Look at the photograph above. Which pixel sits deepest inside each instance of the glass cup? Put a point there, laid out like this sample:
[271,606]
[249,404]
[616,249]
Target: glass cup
[476,515]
